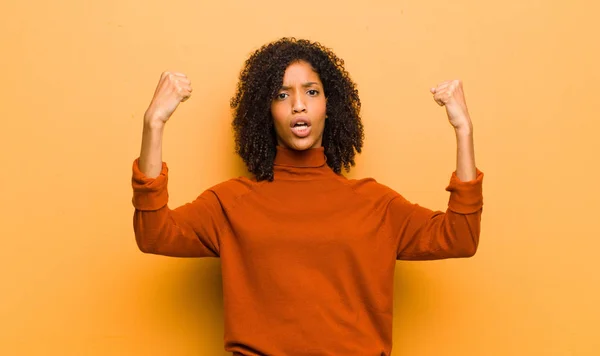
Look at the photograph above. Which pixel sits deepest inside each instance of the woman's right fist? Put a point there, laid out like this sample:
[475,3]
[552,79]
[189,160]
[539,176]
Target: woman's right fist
[172,89]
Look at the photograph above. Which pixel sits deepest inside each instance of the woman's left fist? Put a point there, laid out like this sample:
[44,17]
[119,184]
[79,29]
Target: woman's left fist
[451,95]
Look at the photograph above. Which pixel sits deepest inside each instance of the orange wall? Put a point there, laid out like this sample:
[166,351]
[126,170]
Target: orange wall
[76,79]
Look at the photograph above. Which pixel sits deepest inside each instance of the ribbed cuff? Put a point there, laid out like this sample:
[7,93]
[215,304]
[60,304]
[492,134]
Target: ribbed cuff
[465,197]
[149,193]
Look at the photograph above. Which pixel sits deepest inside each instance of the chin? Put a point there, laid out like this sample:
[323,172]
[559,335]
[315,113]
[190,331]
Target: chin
[301,145]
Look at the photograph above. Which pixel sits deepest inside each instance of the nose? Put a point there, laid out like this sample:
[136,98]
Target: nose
[298,104]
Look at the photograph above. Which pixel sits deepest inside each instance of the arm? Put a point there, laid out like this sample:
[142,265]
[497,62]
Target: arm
[425,234]
[172,89]
[451,95]
[191,230]
[465,155]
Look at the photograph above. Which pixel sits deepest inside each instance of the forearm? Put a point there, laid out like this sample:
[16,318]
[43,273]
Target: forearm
[150,162]
[450,94]
[465,154]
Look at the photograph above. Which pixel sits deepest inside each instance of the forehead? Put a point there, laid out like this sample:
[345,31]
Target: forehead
[300,72]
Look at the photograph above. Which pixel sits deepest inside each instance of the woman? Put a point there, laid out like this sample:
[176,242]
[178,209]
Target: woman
[307,255]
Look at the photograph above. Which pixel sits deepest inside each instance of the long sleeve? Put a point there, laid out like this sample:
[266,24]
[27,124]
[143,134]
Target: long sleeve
[191,230]
[424,234]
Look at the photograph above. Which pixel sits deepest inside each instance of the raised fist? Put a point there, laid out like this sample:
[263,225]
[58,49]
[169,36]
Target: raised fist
[451,95]
[173,88]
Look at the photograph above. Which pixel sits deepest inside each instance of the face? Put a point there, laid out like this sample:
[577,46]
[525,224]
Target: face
[299,108]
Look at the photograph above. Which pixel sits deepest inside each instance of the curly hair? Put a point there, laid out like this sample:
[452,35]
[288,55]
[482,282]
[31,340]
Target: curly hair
[259,82]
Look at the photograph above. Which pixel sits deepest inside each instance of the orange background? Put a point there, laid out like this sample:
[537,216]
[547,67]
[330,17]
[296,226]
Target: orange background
[77,77]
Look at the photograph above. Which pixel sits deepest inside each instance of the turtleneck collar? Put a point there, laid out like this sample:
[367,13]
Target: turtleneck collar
[310,158]
[310,164]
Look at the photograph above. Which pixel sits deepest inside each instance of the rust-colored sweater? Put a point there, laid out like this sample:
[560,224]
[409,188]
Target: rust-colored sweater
[307,259]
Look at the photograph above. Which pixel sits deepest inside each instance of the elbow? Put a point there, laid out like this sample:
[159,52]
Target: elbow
[465,238]
[144,245]
[470,251]
[146,248]
[462,245]
[146,237]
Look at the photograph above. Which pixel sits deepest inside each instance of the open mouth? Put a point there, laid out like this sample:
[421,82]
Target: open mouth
[301,129]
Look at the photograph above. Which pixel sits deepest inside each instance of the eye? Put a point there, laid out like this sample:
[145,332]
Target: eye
[281,96]
[313,92]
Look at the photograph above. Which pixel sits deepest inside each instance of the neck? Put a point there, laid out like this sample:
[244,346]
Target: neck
[305,164]
[312,157]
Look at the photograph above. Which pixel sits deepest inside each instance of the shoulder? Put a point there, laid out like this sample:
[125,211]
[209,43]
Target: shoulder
[234,188]
[371,189]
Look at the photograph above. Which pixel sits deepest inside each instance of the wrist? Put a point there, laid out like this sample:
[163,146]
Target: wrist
[464,130]
[152,123]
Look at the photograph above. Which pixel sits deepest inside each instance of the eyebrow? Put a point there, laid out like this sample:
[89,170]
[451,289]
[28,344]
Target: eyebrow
[305,85]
